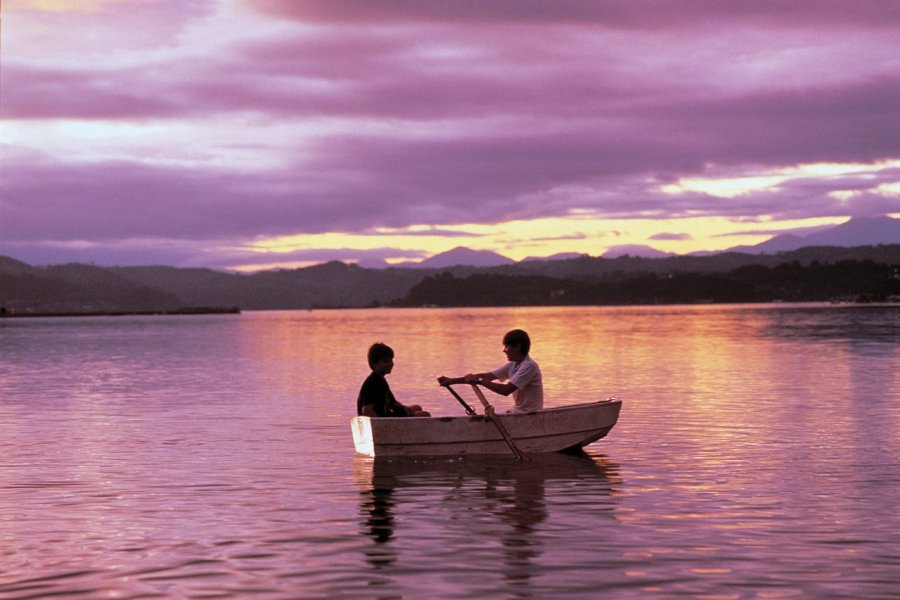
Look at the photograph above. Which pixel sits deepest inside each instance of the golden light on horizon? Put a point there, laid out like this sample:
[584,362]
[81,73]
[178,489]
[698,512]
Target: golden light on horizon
[582,231]
[520,239]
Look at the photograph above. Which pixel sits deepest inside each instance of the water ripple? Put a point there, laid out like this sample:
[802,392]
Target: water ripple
[756,456]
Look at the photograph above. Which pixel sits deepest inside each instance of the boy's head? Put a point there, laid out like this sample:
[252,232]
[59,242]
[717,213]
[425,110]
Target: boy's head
[380,355]
[518,338]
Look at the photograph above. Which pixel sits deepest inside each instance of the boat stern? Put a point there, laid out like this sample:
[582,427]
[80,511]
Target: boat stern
[362,435]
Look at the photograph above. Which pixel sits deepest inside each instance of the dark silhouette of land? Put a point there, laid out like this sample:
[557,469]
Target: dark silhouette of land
[850,280]
[860,274]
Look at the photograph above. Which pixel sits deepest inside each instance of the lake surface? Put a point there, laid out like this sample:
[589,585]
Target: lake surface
[757,456]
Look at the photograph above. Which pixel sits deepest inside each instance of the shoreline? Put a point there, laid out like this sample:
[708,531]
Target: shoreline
[200,310]
[188,311]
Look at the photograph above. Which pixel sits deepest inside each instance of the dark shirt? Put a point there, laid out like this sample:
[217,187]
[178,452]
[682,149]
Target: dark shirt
[376,391]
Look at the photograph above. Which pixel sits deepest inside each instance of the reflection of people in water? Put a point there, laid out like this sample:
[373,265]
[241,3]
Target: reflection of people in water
[524,509]
[479,499]
[378,511]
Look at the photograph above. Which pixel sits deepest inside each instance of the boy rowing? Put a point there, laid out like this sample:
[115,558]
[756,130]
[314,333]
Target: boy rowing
[519,376]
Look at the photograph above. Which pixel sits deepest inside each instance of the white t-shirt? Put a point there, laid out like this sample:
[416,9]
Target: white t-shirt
[526,376]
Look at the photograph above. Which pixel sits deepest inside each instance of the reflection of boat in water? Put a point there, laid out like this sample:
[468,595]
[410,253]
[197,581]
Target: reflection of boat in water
[478,500]
[549,430]
[401,472]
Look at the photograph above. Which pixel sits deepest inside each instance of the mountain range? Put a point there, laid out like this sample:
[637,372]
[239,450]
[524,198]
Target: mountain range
[859,231]
[462,256]
[79,288]
[84,288]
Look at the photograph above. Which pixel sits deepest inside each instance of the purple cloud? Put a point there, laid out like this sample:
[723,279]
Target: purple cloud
[642,14]
[676,237]
[300,118]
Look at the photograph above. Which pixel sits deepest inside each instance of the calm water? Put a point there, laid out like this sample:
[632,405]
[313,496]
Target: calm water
[757,456]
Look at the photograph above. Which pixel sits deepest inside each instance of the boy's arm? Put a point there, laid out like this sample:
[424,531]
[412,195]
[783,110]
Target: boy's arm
[504,389]
[470,378]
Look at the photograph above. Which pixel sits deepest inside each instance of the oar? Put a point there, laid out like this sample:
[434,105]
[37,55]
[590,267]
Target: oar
[468,408]
[489,411]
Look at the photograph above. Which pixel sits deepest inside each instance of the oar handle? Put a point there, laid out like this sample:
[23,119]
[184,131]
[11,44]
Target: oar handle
[468,408]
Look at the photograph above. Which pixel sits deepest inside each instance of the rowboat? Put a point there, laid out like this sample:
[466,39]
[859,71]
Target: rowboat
[550,430]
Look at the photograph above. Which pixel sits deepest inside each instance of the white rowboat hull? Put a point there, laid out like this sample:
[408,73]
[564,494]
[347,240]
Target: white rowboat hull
[549,430]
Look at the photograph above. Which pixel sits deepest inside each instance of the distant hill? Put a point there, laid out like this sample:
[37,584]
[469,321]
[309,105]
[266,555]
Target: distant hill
[11,266]
[844,281]
[558,256]
[859,231]
[76,288]
[87,288]
[635,250]
[331,284]
[593,268]
[463,256]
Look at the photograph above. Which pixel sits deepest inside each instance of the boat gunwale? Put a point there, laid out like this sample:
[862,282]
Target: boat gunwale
[523,439]
[516,415]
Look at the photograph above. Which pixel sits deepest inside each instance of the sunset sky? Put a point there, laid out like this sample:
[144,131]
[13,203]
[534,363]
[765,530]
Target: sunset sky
[255,134]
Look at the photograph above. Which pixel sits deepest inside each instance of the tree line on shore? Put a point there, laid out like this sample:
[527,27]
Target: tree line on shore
[856,281]
[868,273]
